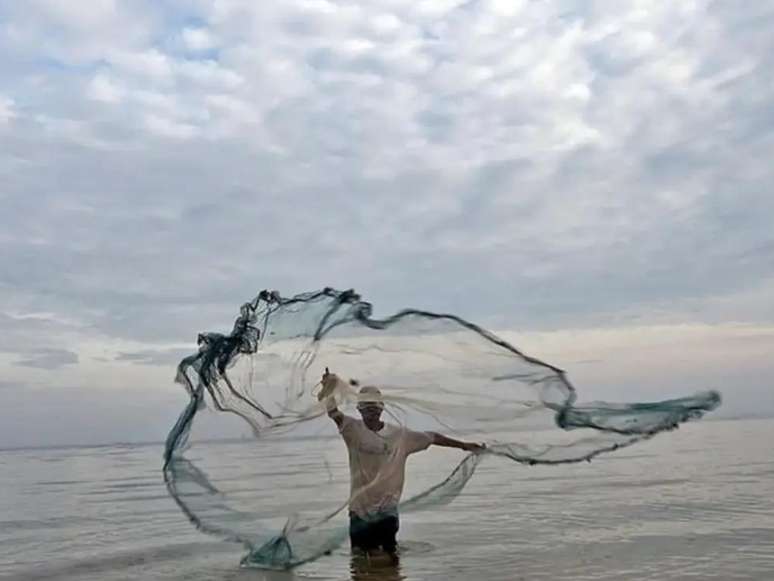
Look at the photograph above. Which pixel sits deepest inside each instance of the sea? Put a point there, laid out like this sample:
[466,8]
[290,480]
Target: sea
[696,503]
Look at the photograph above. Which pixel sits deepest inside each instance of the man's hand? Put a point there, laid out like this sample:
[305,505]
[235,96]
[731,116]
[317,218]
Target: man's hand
[446,441]
[329,383]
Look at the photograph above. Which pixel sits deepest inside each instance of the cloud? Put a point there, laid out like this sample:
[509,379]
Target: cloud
[164,357]
[48,359]
[530,165]
[167,128]
[6,110]
[10,385]
[419,154]
[72,35]
[198,39]
[25,333]
[101,88]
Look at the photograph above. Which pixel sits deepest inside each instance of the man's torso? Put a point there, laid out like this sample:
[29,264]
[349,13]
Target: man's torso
[377,462]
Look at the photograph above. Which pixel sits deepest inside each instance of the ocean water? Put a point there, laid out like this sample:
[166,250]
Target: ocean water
[697,503]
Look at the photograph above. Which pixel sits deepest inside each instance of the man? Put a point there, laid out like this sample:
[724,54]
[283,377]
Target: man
[377,463]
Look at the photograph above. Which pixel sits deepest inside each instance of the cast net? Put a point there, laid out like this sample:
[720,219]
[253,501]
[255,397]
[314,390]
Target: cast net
[429,373]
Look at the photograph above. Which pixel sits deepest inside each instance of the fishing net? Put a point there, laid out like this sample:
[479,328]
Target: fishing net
[427,373]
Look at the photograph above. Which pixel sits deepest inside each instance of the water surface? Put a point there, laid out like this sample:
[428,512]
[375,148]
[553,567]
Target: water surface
[697,503]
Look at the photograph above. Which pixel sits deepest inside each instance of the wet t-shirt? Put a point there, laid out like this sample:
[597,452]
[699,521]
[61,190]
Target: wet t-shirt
[377,463]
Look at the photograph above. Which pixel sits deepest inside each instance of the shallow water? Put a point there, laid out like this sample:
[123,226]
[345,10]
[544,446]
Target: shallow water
[696,503]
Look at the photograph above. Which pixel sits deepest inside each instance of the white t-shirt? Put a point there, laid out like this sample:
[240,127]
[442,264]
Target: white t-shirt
[377,463]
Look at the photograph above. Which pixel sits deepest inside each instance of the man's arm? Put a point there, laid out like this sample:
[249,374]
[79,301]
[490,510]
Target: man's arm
[333,412]
[447,442]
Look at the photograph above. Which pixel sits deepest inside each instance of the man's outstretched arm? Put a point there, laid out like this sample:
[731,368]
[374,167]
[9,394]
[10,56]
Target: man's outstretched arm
[447,442]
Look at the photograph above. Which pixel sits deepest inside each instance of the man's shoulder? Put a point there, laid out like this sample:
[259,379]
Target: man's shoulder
[348,423]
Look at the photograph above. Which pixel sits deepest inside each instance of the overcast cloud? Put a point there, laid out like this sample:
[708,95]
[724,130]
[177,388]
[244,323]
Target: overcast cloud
[538,166]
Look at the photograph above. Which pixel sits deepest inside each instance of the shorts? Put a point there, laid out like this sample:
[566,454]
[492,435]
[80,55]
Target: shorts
[375,531]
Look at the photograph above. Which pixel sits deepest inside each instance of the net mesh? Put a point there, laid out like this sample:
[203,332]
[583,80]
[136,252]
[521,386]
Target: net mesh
[434,373]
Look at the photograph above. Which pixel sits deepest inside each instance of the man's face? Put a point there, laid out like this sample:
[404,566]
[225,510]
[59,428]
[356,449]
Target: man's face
[371,412]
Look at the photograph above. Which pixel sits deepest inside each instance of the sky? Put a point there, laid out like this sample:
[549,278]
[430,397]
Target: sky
[591,179]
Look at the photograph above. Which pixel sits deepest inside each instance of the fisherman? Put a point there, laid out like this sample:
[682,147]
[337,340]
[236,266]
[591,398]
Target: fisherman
[377,464]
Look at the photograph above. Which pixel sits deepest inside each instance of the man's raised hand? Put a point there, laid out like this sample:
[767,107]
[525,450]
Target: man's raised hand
[329,382]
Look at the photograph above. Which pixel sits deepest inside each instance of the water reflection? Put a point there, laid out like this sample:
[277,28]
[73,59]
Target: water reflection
[376,566]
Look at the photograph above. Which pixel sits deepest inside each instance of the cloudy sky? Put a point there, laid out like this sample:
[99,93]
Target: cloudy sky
[592,178]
